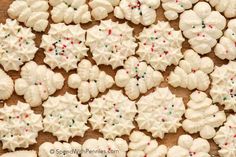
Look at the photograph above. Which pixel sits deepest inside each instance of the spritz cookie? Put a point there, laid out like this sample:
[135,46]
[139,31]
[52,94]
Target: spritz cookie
[111,43]
[112,114]
[160,112]
[202,116]
[69,11]
[6,85]
[138,11]
[20,154]
[16,45]
[33,13]
[225,137]
[64,46]
[187,146]
[227,7]
[101,147]
[89,80]
[37,82]
[142,145]
[202,27]
[19,126]
[174,7]
[160,45]
[192,72]
[226,48]
[65,117]
[101,8]
[137,77]
[58,149]
[223,90]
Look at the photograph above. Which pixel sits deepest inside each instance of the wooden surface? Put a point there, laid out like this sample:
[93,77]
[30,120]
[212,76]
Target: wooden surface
[169,139]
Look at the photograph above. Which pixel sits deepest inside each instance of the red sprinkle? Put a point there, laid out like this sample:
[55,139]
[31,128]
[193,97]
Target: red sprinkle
[109,32]
[26,116]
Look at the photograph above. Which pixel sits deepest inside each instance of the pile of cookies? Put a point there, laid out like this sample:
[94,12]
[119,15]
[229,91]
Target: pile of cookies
[126,83]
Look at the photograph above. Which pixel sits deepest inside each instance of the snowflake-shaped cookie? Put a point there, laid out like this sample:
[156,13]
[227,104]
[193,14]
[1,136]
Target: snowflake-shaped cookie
[137,77]
[19,126]
[174,7]
[142,145]
[111,43]
[33,13]
[22,153]
[202,27]
[48,149]
[160,45]
[113,114]
[37,82]
[16,45]
[89,80]
[192,72]
[101,8]
[226,48]
[112,148]
[6,85]
[202,116]
[160,112]
[227,7]
[223,90]
[138,11]
[187,146]
[69,11]
[226,137]
[64,46]
[65,117]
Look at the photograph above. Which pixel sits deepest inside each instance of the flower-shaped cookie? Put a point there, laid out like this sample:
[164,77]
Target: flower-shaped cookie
[202,116]
[89,81]
[202,27]
[160,45]
[37,82]
[174,7]
[113,114]
[226,137]
[19,126]
[227,7]
[65,117]
[112,148]
[187,146]
[69,11]
[101,8]
[16,45]
[160,112]
[137,77]
[111,43]
[226,48]
[48,149]
[142,145]
[223,85]
[33,13]
[6,85]
[138,11]
[192,72]
[64,46]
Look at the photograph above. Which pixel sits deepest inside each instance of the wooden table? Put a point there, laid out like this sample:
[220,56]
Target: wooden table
[169,139]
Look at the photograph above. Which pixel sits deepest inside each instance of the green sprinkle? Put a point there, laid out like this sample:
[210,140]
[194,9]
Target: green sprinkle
[224,98]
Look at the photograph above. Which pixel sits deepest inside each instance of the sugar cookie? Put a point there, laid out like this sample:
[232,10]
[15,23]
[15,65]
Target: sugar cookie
[37,82]
[65,117]
[64,46]
[137,77]
[192,72]
[113,114]
[160,112]
[202,27]
[160,45]
[19,126]
[20,154]
[6,85]
[89,80]
[111,43]
[16,45]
